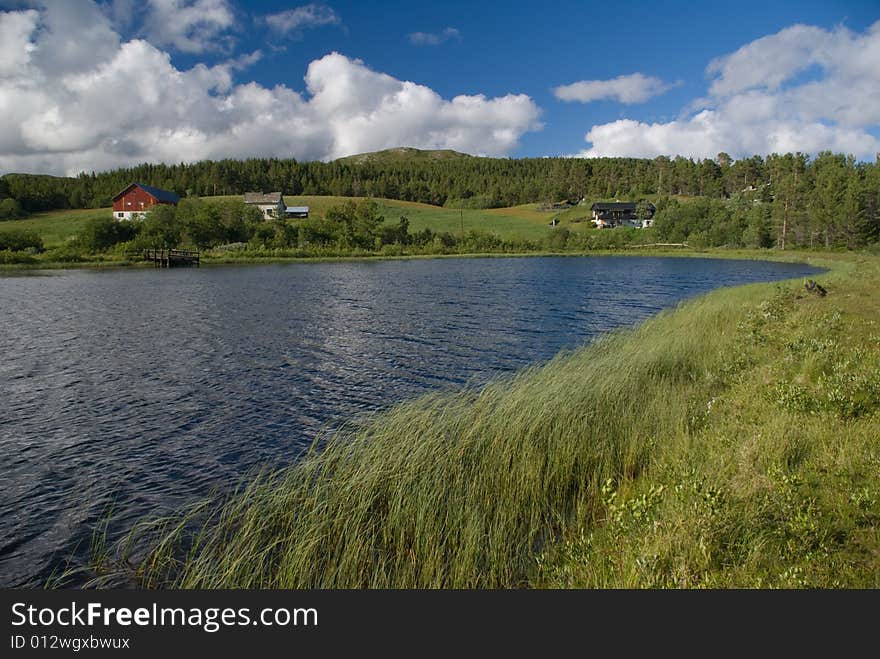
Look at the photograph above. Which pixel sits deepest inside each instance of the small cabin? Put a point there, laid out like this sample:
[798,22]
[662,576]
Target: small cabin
[136,200]
[297,212]
[271,204]
[621,214]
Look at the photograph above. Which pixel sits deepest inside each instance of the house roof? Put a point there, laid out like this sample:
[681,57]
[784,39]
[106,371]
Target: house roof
[618,206]
[262,197]
[297,209]
[158,193]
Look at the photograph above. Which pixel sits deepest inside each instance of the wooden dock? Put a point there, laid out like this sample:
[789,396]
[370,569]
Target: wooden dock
[172,258]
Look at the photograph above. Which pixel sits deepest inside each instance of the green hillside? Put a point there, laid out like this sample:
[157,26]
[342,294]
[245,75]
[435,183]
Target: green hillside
[403,154]
[514,222]
[55,227]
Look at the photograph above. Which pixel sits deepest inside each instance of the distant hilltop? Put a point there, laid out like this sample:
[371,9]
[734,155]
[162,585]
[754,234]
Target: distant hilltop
[403,154]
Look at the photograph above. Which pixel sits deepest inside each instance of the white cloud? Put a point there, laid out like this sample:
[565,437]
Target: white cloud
[802,89]
[130,104]
[365,110]
[245,61]
[629,89]
[78,32]
[16,49]
[300,18]
[434,38]
[121,12]
[190,26]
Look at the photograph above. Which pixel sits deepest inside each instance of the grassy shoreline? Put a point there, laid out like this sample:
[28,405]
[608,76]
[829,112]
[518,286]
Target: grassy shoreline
[729,442]
[798,256]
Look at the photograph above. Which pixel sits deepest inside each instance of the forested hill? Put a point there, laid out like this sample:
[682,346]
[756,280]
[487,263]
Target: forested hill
[402,154]
[830,199]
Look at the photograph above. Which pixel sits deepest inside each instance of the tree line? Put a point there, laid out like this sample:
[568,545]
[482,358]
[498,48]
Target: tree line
[829,200]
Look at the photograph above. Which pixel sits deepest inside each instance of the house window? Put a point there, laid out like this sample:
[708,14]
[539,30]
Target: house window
[120,214]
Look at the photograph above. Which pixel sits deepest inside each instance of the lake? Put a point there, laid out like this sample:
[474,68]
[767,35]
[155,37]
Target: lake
[140,391]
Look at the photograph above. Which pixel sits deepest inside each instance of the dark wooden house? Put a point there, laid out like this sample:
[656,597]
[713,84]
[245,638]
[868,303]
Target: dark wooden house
[621,213]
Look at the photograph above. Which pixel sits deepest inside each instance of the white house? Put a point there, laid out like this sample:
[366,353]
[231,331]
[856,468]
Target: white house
[271,204]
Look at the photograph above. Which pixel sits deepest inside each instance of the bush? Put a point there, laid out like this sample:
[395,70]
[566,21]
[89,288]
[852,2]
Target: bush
[160,229]
[559,238]
[8,257]
[480,241]
[10,209]
[19,241]
[231,247]
[699,240]
[72,252]
[101,233]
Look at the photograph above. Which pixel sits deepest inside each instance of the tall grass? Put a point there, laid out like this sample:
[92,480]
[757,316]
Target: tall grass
[559,475]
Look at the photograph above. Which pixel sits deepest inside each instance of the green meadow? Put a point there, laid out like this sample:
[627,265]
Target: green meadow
[55,227]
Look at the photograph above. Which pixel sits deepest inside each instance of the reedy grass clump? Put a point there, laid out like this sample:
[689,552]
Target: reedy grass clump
[778,485]
[656,456]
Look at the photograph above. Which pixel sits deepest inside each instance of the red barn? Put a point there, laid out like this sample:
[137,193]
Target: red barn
[137,199]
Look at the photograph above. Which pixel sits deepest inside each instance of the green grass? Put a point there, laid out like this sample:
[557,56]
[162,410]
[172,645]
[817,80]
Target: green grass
[575,219]
[733,441]
[451,220]
[56,227]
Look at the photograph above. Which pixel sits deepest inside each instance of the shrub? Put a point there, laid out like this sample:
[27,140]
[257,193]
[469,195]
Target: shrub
[10,209]
[8,257]
[72,252]
[19,241]
[101,233]
[559,238]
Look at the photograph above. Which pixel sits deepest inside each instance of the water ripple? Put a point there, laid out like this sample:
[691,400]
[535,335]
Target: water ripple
[144,390]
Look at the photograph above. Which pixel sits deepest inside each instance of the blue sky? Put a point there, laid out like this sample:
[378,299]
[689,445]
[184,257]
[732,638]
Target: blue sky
[532,47]
[228,78]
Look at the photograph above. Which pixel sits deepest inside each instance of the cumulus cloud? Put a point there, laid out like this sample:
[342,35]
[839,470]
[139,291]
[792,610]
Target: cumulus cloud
[129,103]
[245,61]
[434,38]
[802,89]
[629,89]
[294,21]
[711,131]
[365,110]
[190,26]
[16,49]
[121,12]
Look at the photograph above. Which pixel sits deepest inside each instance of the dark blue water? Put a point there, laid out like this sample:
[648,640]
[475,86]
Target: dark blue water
[148,389]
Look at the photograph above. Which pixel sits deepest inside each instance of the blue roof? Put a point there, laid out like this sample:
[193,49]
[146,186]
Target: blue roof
[158,193]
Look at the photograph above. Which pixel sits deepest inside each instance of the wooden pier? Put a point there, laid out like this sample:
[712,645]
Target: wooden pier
[172,258]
